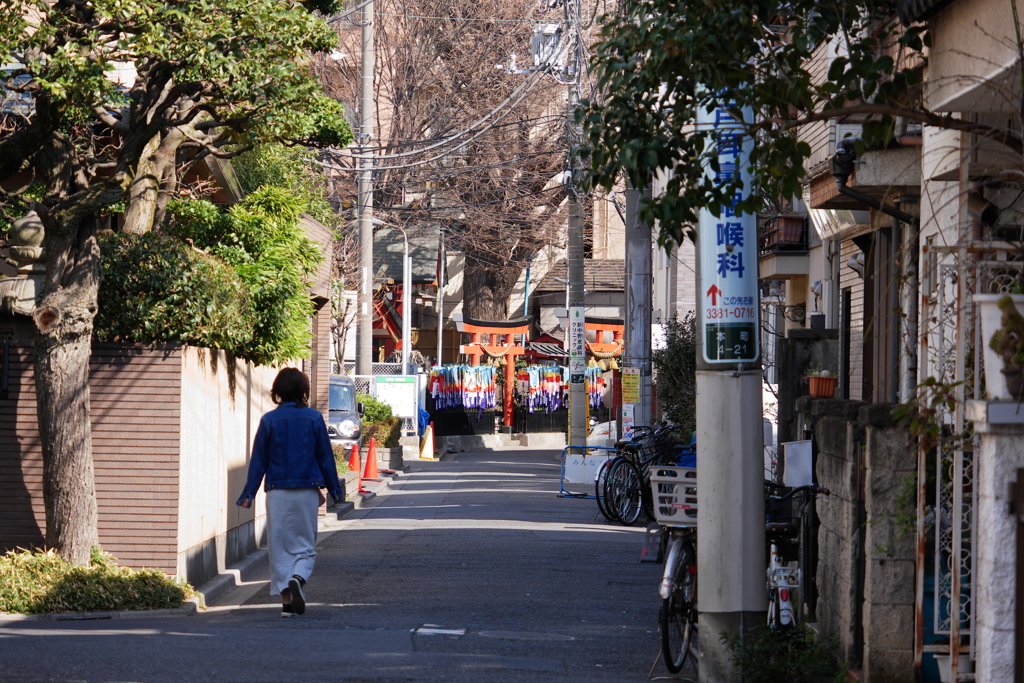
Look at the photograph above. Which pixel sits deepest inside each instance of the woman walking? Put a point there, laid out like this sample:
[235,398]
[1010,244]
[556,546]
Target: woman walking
[293,453]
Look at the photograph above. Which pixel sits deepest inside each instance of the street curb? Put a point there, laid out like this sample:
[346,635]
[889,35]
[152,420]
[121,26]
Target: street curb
[223,583]
[189,608]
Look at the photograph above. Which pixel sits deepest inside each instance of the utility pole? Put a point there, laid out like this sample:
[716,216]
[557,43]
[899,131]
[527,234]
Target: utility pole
[364,312]
[730,437]
[636,350]
[574,245]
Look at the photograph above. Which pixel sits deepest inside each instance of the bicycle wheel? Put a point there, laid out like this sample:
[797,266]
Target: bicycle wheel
[624,499]
[600,489]
[678,616]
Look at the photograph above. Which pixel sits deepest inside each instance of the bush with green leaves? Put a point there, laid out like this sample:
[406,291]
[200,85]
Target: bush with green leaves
[262,239]
[41,582]
[157,288]
[374,410]
[791,655]
[676,367]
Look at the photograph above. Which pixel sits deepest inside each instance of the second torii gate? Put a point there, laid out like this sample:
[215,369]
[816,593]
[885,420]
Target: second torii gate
[477,349]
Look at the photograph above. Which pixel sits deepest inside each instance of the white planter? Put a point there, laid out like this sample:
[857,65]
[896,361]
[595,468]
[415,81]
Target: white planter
[991,320]
[946,671]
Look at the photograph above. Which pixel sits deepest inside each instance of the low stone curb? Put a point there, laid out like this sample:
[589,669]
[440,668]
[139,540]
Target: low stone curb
[190,607]
[215,588]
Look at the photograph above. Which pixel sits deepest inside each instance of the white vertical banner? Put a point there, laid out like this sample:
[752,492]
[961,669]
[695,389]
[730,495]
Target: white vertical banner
[577,345]
[728,250]
[627,420]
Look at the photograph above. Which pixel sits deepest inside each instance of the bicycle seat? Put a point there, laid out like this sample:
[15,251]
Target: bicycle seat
[631,446]
[781,530]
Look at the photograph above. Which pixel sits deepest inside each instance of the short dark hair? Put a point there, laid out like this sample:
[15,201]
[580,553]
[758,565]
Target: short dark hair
[291,384]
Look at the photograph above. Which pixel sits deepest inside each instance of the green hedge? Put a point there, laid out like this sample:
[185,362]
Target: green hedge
[41,582]
[158,288]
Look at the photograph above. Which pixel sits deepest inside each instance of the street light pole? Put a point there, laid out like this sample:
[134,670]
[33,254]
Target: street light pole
[364,314]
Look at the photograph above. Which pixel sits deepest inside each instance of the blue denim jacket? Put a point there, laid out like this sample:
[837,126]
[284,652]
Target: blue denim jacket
[292,450]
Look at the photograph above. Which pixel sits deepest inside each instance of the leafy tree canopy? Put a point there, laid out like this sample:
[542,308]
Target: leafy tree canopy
[659,61]
[235,71]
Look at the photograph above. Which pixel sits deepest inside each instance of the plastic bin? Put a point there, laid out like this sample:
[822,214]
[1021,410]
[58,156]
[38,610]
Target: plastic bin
[675,495]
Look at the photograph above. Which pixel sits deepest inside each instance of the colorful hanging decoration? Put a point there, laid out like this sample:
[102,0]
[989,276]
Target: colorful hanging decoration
[464,386]
[545,387]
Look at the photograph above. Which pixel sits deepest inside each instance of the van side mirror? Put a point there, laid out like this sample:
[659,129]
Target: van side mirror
[360,407]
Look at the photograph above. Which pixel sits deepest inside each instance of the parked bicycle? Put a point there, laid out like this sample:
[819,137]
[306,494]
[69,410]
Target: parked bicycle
[622,483]
[786,537]
[674,502]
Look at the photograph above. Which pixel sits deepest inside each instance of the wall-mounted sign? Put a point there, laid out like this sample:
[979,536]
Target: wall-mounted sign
[630,385]
[577,345]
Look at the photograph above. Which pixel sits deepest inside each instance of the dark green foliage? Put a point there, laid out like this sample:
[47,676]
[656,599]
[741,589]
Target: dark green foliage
[386,432]
[40,582]
[676,367]
[157,288]
[790,655]
[290,168]
[262,239]
[373,410]
[379,422]
[1008,341]
[658,62]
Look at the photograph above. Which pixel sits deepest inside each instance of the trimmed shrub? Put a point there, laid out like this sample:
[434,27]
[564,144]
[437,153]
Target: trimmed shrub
[156,288]
[41,582]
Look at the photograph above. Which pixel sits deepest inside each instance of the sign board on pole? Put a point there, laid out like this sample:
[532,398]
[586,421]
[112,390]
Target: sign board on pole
[728,252]
[577,345]
[627,421]
[630,385]
[399,392]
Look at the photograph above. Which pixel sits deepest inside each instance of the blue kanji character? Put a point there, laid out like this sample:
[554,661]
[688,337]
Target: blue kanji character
[730,263]
[730,233]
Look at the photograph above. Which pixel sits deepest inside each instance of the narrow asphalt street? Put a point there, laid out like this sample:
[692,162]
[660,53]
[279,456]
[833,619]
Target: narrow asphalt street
[471,569]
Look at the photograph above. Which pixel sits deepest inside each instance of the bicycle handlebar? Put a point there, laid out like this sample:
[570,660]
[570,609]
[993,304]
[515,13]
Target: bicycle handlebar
[813,488]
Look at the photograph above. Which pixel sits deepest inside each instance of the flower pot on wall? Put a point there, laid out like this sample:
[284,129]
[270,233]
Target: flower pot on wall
[822,387]
[991,320]
[791,229]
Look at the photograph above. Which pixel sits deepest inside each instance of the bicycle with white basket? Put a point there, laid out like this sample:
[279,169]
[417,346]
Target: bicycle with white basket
[674,494]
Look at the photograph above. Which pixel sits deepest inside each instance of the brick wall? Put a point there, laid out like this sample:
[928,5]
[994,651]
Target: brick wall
[135,403]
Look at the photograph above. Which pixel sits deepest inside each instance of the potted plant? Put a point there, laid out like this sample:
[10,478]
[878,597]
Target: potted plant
[1002,326]
[790,229]
[1008,343]
[821,382]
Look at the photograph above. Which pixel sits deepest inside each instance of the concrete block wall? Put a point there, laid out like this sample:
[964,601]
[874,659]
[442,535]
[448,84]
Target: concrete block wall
[890,552]
[866,564]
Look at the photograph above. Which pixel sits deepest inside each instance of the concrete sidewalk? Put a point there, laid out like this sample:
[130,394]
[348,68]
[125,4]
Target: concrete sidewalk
[241,572]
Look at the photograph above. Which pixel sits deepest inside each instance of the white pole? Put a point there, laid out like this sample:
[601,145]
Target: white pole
[406,304]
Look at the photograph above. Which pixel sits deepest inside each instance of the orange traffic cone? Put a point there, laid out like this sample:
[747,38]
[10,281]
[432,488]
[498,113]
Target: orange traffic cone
[370,471]
[353,465]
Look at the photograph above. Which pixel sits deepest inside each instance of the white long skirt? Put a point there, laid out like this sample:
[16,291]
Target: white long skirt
[291,534]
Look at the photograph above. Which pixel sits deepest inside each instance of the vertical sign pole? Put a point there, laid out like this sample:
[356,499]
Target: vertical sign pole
[730,496]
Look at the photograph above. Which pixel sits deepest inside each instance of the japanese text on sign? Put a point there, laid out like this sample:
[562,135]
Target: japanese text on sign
[577,345]
[728,255]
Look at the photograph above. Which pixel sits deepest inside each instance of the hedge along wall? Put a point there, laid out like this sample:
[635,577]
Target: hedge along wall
[172,434]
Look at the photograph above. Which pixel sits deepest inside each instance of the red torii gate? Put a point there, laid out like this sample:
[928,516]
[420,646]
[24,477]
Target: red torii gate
[476,349]
[602,348]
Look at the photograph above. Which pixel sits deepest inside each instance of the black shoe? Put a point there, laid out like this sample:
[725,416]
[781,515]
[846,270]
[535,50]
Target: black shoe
[298,599]
[286,611]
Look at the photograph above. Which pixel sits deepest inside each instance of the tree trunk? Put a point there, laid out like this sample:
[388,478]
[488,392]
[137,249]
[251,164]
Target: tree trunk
[491,288]
[64,320]
[155,180]
[142,195]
